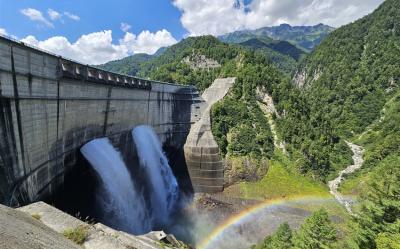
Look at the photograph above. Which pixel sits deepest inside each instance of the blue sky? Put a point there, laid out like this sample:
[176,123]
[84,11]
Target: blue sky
[94,16]
[95,32]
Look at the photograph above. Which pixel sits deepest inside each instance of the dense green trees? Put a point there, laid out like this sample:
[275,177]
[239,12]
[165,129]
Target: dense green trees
[281,239]
[317,232]
[348,79]
[377,223]
[130,65]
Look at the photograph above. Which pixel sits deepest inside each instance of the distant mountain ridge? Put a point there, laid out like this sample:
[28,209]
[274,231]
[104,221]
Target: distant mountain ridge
[282,45]
[304,37]
[131,65]
[282,54]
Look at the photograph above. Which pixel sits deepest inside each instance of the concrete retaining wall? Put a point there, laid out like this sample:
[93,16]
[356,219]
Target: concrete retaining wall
[203,159]
[51,106]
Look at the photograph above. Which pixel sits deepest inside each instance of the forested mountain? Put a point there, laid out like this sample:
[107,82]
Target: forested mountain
[348,88]
[130,65]
[281,54]
[304,37]
[355,70]
[342,86]
[283,46]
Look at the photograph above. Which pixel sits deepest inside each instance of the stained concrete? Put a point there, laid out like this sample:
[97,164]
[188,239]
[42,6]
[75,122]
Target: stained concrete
[99,235]
[51,106]
[205,165]
[19,230]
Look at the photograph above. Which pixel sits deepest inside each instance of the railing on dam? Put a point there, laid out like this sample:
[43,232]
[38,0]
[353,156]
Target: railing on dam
[51,106]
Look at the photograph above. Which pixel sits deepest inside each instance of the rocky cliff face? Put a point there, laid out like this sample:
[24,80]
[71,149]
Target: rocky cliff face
[199,61]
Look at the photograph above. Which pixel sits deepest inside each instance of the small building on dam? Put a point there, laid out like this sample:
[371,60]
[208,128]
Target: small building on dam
[52,106]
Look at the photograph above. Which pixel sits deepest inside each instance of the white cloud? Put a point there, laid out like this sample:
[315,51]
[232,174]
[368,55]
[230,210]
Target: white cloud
[125,27]
[72,16]
[97,47]
[3,31]
[36,16]
[218,17]
[147,42]
[54,15]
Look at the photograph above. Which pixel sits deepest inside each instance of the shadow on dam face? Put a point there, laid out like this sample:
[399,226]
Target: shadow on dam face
[78,195]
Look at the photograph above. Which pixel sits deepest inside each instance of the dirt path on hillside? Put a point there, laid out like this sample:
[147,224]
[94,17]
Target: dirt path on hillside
[358,160]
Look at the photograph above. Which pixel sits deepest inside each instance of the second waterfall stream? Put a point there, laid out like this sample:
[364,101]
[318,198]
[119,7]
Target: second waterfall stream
[128,203]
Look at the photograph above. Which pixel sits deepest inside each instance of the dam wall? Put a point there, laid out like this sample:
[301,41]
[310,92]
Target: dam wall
[51,106]
[203,158]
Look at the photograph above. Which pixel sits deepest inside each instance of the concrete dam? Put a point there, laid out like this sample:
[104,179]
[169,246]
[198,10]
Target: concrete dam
[51,106]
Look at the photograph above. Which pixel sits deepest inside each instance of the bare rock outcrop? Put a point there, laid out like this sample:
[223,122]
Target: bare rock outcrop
[199,61]
[267,105]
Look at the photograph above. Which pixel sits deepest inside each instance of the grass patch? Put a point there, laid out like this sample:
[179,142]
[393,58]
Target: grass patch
[36,216]
[354,184]
[278,183]
[77,235]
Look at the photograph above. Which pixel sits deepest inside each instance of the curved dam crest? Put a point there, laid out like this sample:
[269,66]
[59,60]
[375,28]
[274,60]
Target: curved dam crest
[51,106]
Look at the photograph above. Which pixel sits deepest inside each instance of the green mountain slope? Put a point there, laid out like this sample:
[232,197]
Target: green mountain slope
[304,37]
[129,65]
[356,69]
[238,115]
[348,88]
[282,47]
[340,89]
[282,54]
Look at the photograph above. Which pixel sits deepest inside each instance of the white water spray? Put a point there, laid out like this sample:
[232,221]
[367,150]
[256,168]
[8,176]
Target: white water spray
[123,207]
[164,186]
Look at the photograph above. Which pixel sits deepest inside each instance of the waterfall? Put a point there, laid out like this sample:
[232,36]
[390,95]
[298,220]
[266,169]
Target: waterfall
[123,207]
[164,187]
[139,202]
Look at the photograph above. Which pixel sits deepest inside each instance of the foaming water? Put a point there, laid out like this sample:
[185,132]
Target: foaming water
[138,199]
[122,206]
[152,159]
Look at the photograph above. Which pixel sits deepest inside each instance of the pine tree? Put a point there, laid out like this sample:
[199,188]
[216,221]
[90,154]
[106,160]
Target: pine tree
[380,205]
[317,232]
[281,239]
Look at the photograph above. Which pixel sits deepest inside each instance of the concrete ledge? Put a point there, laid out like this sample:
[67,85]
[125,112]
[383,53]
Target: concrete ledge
[207,189]
[99,235]
[19,230]
[206,173]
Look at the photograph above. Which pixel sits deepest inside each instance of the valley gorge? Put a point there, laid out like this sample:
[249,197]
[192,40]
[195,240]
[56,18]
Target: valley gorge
[282,137]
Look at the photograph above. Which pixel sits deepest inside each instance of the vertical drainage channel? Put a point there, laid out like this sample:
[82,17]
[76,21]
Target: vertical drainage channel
[18,110]
[148,108]
[21,140]
[106,112]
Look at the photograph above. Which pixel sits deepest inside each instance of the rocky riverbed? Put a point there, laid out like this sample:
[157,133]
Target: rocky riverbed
[358,160]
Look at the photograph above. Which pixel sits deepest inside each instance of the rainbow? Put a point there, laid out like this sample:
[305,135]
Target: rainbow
[237,218]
